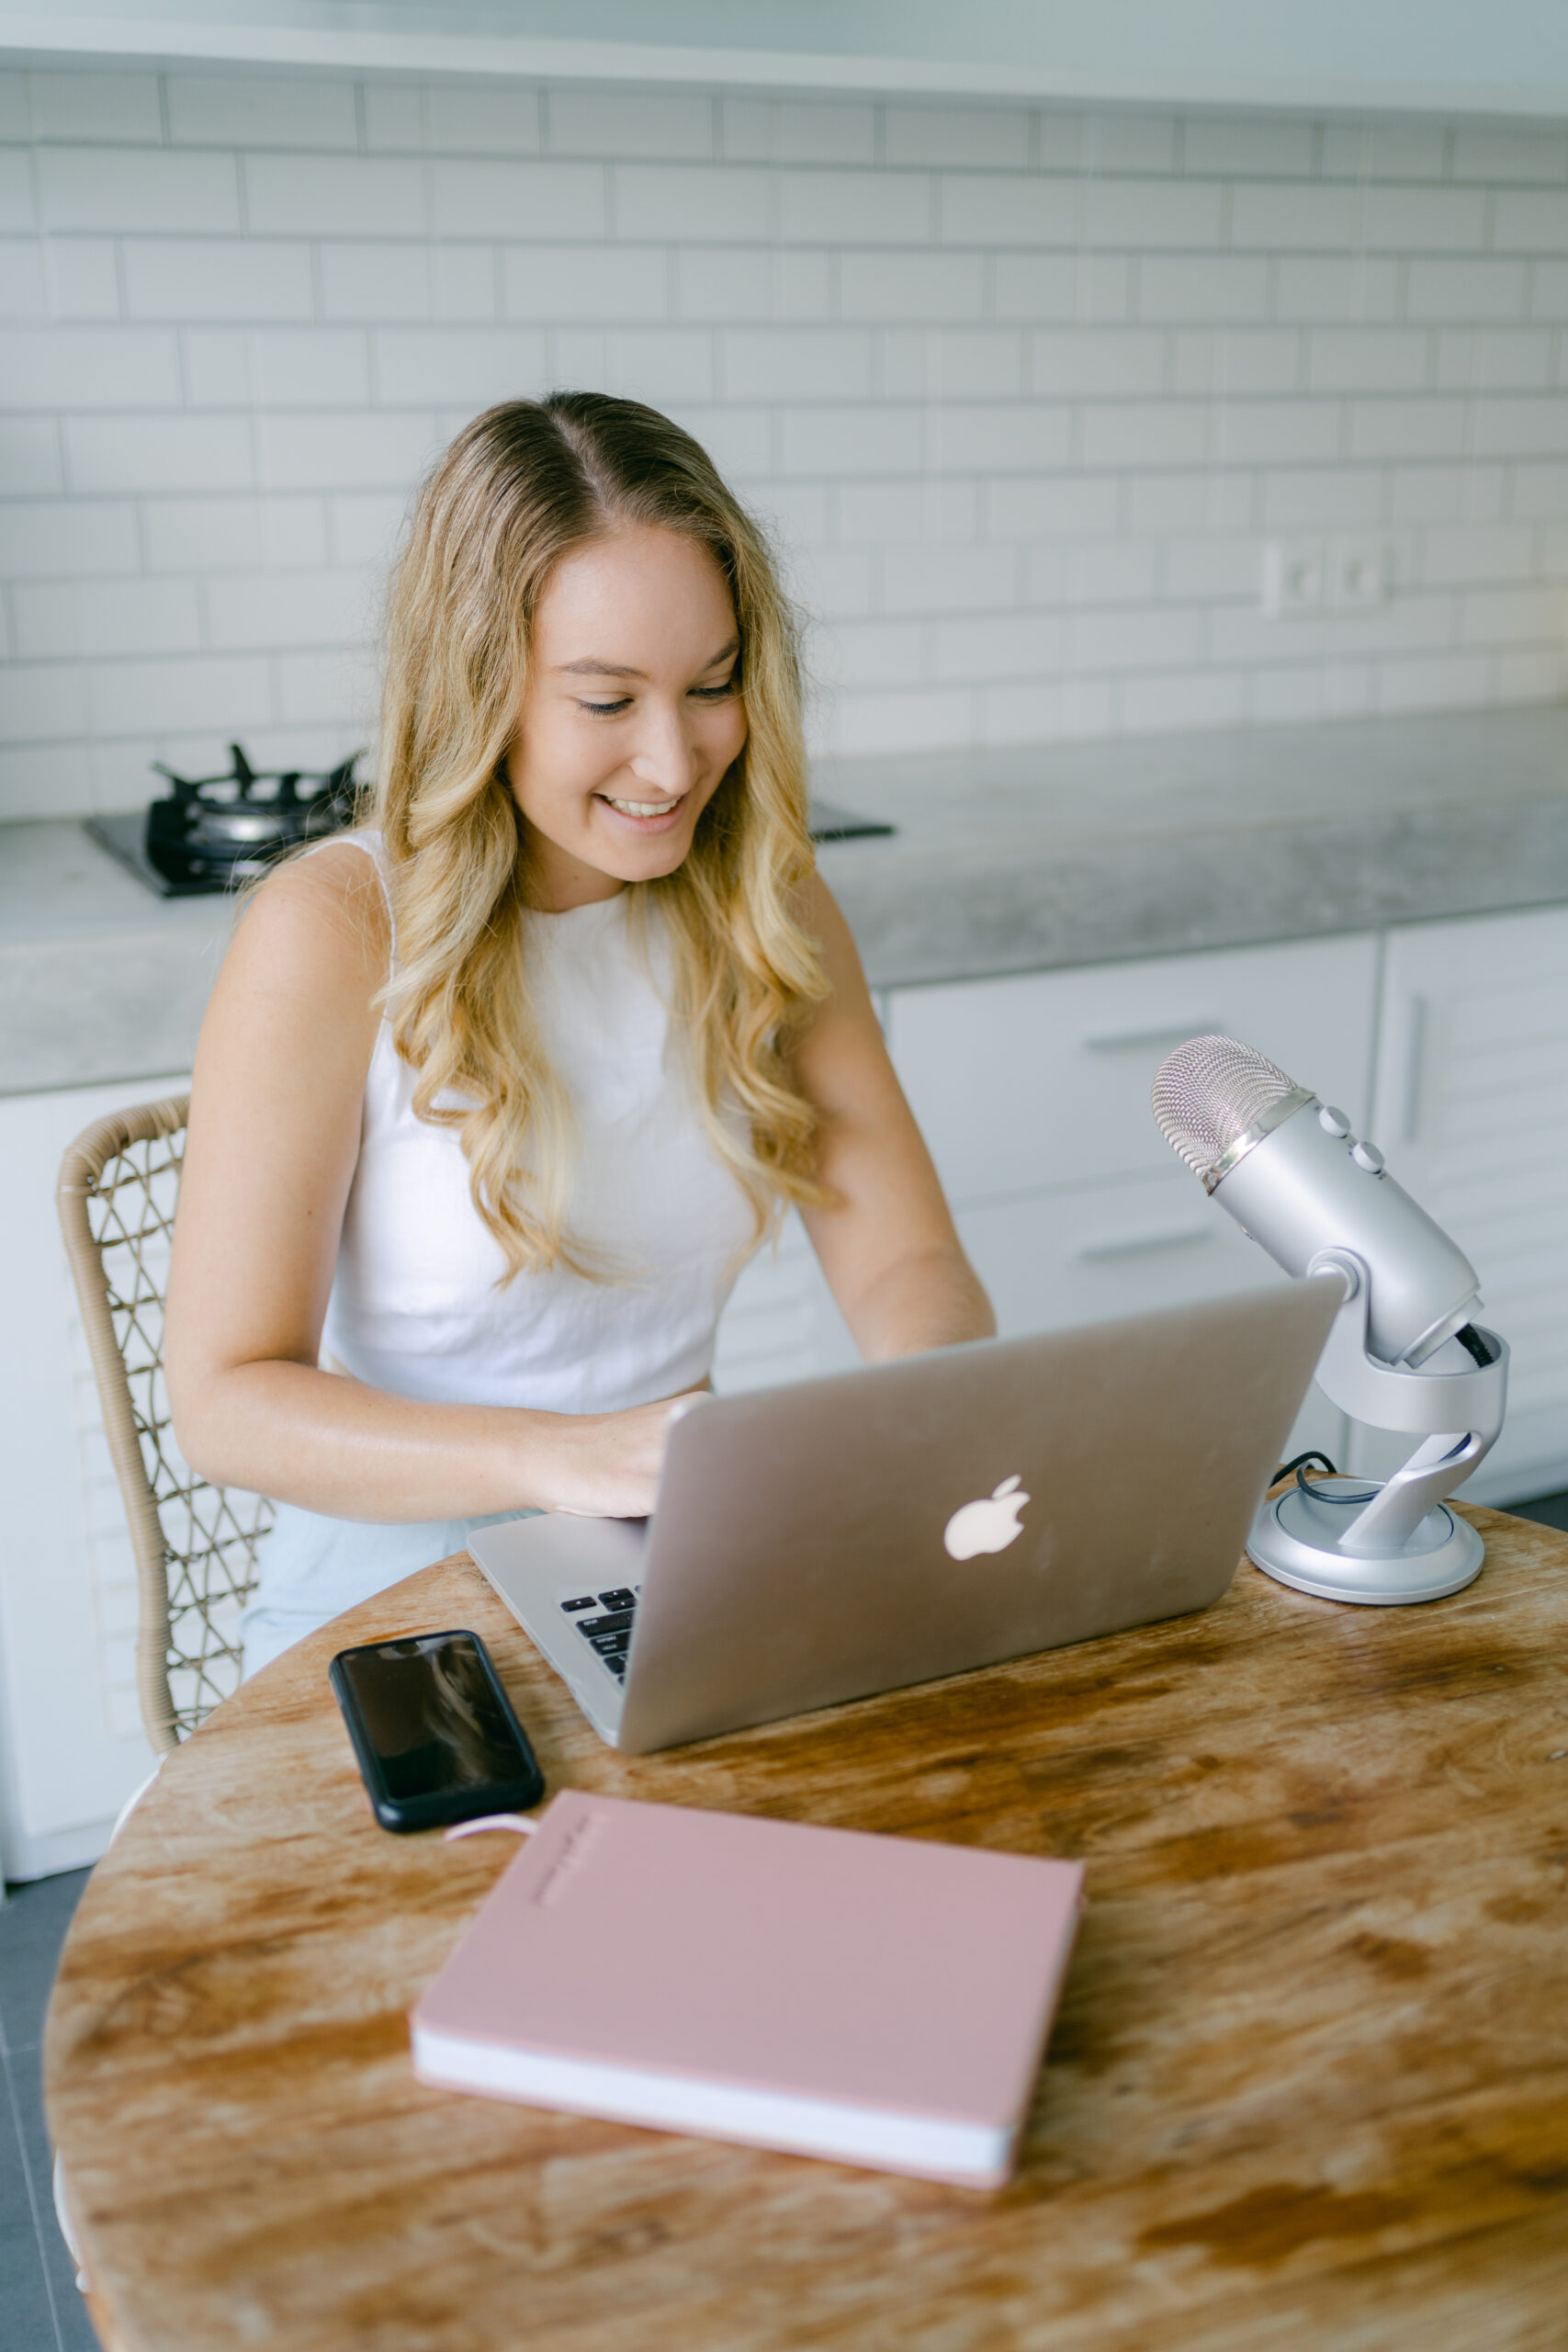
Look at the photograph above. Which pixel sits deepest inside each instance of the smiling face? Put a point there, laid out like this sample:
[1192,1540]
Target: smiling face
[631,715]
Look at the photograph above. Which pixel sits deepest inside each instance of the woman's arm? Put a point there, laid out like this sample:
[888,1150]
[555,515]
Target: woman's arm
[887,1241]
[273,1141]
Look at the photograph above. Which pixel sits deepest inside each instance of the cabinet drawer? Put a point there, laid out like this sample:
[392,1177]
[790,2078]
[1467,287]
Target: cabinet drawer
[1044,1079]
[1096,1253]
[1050,1263]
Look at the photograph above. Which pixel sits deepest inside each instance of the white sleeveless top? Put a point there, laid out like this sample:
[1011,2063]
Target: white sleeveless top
[417,1306]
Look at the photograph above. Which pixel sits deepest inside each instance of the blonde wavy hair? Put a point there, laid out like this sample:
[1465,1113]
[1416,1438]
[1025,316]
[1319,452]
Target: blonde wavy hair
[518,489]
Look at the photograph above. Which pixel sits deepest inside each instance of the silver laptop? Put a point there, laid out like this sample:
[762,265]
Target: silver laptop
[909,1520]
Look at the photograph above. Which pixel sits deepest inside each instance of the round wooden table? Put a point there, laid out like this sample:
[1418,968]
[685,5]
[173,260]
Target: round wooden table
[1308,2086]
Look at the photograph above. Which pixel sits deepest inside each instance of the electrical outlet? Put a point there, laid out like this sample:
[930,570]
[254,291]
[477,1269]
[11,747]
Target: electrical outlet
[1304,576]
[1358,575]
[1294,575]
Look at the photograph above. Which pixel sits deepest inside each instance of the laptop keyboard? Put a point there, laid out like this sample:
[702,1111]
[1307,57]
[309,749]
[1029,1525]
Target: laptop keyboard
[604,1622]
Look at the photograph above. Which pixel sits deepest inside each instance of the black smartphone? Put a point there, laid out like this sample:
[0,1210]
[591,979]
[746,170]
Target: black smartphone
[434,1731]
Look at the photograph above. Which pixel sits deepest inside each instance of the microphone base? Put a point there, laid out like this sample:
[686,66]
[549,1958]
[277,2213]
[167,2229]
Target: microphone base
[1293,1541]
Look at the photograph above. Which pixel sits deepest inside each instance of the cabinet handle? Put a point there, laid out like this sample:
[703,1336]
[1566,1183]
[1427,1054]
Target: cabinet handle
[1144,1040]
[1182,1236]
[1415,1069]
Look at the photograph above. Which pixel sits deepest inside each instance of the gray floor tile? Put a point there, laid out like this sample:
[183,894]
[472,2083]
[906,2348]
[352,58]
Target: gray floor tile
[15,2199]
[30,2295]
[43,2312]
[69,2313]
[33,1920]
[1548,1511]
[75,2330]
[30,2313]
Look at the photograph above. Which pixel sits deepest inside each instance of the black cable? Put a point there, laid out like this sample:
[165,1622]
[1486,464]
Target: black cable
[1299,1463]
[1474,1345]
[1320,1494]
[1316,1492]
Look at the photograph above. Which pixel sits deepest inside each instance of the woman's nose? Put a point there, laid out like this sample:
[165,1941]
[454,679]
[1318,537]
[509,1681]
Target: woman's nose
[665,755]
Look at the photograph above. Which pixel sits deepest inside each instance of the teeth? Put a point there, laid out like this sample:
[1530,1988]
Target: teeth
[644,808]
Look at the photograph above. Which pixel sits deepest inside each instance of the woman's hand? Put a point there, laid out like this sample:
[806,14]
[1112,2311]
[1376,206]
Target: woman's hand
[603,1466]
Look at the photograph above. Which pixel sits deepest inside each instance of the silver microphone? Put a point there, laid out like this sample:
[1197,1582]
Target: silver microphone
[1292,1175]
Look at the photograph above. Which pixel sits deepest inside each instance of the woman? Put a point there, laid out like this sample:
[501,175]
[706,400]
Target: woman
[495,1096]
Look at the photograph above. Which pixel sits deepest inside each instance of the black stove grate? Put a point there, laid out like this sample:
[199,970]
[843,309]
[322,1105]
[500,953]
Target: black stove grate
[212,832]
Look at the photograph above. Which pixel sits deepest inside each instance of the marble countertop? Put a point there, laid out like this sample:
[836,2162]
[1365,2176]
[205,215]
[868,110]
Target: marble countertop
[1024,859]
[1009,860]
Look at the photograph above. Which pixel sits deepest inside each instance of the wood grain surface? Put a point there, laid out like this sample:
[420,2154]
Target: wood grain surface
[1308,2086]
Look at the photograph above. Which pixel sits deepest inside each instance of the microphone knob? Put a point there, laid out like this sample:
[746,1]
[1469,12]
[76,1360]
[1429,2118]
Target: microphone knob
[1333,1122]
[1368,1156]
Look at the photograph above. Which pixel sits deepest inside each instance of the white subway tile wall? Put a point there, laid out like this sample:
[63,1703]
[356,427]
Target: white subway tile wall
[1021,394]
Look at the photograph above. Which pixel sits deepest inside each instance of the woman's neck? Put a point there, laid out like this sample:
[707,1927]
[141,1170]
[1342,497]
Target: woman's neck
[555,882]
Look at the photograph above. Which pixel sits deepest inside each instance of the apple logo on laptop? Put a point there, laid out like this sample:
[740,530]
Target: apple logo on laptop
[987,1525]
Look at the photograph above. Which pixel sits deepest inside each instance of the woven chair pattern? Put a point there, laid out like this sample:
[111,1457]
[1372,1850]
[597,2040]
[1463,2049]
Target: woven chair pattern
[195,1544]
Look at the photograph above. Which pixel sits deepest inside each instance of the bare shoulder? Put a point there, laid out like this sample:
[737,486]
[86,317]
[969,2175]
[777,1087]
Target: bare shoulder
[822,917]
[295,1002]
[319,921]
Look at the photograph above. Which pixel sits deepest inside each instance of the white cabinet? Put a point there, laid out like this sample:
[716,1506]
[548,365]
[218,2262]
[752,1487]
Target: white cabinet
[1043,1080]
[71,1746]
[1471,1108]
[1032,1093]
[1085,1254]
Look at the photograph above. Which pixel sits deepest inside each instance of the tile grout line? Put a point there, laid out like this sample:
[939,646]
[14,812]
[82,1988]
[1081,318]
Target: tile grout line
[14,2108]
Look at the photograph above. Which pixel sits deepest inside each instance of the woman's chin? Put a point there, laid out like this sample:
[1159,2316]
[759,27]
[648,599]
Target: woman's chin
[635,852]
[656,863]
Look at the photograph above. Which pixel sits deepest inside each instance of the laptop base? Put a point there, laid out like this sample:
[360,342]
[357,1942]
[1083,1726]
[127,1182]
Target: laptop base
[533,1565]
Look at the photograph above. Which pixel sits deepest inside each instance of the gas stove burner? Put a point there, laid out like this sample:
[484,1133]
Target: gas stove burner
[213,832]
[215,829]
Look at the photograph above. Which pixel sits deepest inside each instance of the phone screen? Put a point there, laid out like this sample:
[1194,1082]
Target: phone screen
[435,1732]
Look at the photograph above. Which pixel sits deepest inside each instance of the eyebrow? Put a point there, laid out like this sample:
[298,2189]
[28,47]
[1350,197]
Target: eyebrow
[589,668]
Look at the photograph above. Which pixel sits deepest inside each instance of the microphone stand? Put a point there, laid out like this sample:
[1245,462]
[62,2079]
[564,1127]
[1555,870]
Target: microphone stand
[1348,1539]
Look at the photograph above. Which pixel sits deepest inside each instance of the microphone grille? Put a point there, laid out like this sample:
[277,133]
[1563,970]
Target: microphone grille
[1209,1093]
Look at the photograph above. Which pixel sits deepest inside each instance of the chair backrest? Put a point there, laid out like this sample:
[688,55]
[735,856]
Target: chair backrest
[195,1544]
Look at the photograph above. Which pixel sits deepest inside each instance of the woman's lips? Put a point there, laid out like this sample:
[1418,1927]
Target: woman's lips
[644,816]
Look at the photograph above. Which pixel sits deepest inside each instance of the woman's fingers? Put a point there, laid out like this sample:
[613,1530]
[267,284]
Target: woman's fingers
[611,1462]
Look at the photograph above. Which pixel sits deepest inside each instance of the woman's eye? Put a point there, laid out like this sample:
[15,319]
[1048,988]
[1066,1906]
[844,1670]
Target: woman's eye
[714,694]
[606,709]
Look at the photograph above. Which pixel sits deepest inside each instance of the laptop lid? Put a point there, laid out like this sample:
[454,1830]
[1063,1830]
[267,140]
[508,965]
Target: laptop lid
[915,1519]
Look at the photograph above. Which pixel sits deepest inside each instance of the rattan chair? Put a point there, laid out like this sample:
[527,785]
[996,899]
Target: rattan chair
[195,1544]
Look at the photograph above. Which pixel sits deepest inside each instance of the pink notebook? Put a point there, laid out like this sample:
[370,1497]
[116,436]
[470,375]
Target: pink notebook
[883,2001]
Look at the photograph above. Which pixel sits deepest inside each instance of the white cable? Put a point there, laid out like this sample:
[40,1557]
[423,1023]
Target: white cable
[63,2215]
[133,1800]
[518,1821]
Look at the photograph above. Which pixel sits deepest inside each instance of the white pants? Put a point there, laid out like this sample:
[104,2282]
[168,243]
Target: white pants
[311,1569]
